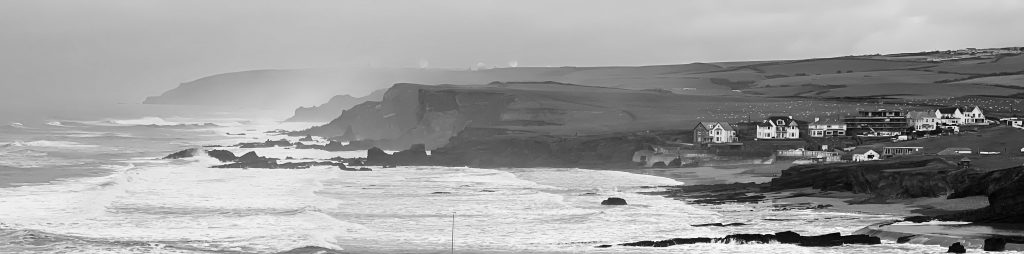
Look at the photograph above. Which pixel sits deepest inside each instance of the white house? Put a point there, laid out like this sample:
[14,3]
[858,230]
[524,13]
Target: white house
[714,133]
[778,127]
[923,121]
[826,128]
[949,116]
[865,154]
[974,116]
[961,116]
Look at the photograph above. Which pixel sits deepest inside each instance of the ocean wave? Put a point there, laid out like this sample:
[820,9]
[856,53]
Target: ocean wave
[55,123]
[263,211]
[17,125]
[152,121]
[47,143]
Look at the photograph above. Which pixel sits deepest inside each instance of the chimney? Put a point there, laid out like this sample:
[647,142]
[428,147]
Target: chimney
[816,119]
[790,117]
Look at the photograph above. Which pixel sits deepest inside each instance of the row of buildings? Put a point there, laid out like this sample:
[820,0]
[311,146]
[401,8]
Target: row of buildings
[880,123]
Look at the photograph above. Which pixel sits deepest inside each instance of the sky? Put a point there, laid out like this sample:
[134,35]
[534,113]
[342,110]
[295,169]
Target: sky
[122,51]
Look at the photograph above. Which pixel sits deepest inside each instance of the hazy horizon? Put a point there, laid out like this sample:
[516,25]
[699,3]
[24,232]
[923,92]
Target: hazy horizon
[123,51]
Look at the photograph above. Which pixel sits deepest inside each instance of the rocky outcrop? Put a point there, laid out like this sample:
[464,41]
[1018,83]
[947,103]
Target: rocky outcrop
[614,201]
[335,146]
[268,143]
[957,248]
[415,155]
[187,153]
[222,155]
[788,237]
[1004,189]
[885,179]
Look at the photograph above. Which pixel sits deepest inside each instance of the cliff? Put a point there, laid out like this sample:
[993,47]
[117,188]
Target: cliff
[1004,189]
[885,179]
[918,178]
[431,115]
[332,108]
[268,89]
[486,147]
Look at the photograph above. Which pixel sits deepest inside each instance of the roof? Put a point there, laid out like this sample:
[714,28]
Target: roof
[919,115]
[948,110]
[862,150]
[711,125]
[787,120]
[828,120]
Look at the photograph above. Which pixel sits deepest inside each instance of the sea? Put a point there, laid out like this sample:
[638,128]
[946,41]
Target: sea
[90,179]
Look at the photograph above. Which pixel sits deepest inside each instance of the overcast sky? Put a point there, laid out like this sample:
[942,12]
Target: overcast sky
[121,51]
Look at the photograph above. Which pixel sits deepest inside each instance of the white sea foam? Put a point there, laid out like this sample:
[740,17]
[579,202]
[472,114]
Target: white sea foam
[249,210]
[17,125]
[48,143]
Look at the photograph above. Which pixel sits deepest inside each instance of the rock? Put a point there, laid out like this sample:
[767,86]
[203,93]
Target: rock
[250,157]
[365,169]
[252,160]
[719,225]
[905,239]
[957,248]
[788,237]
[415,155]
[995,244]
[268,143]
[187,153]
[376,156]
[222,155]
[614,201]
[308,138]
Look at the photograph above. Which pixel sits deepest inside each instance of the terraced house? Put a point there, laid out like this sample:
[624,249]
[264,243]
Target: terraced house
[778,127]
[706,133]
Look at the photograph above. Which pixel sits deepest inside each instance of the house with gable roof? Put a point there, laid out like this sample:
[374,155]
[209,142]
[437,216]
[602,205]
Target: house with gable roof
[714,133]
[961,116]
[827,127]
[778,127]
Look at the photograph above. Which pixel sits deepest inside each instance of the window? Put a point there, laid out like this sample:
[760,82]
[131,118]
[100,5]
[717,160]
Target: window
[826,133]
[780,122]
[841,133]
[718,132]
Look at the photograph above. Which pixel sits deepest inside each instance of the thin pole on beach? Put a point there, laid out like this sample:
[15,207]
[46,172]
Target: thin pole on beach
[453,232]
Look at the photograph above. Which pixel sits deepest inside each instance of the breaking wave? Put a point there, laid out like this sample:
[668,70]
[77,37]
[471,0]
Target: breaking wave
[47,143]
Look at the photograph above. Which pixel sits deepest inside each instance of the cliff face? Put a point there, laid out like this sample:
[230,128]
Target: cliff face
[417,114]
[333,108]
[1005,191]
[885,179]
[488,147]
[420,114]
[918,178]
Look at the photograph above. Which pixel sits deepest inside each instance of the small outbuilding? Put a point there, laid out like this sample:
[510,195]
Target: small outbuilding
[864,154]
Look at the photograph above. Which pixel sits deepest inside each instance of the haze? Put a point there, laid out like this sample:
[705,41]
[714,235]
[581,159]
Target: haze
[122,51]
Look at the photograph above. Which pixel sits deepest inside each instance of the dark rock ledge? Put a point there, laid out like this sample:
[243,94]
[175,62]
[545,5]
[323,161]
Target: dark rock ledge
[787,237]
